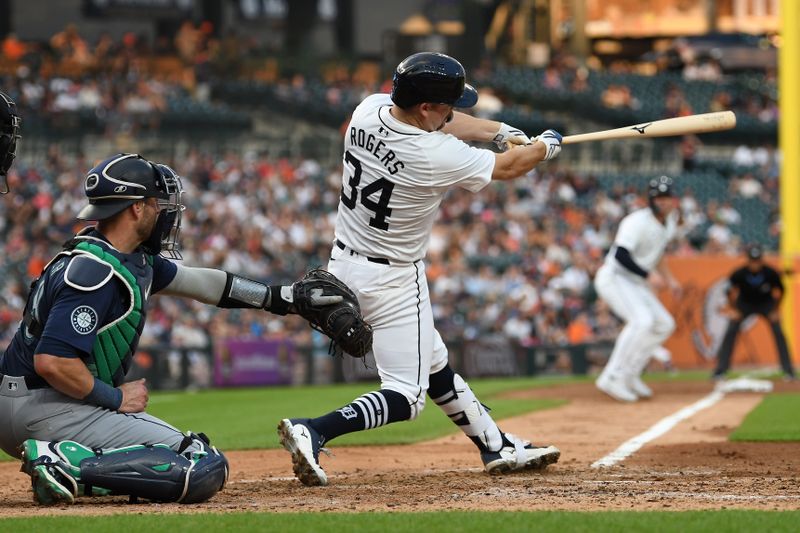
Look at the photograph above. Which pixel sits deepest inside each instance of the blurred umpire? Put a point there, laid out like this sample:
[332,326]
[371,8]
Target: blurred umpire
[756,289]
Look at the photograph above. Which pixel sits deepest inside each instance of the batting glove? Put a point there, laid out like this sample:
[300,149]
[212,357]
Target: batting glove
[552,141]
[510,135]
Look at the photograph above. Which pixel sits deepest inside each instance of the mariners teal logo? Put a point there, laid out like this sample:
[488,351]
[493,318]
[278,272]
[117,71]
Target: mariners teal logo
[84,319]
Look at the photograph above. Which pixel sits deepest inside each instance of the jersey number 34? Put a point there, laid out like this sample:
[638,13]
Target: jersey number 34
[381,186]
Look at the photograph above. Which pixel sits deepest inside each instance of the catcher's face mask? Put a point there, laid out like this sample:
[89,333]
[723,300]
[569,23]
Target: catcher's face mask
[166,231]
[10,124]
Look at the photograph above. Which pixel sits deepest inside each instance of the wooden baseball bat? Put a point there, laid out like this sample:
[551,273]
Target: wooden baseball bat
[703,123]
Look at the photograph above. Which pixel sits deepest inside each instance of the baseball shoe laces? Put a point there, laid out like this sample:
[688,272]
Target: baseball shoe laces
[519,454]
[303,442]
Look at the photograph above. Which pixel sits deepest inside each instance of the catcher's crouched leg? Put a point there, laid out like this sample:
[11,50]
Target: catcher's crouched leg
[193,474]
[158,473]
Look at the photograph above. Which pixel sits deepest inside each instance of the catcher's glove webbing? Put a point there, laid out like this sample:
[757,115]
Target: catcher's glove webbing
[342,321]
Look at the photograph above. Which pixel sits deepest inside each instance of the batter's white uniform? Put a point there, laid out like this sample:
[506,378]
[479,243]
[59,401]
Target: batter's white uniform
[394,179]
[647,322]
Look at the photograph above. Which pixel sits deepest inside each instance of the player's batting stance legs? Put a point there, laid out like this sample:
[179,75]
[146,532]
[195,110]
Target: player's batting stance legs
[411,360]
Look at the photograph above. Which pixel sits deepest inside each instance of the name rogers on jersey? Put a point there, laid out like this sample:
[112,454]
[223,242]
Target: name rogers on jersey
[369,142]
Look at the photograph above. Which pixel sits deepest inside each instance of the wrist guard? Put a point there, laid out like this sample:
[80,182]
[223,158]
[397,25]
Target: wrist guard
[243,293]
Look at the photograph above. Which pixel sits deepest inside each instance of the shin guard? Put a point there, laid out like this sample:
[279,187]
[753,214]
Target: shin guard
[450,392]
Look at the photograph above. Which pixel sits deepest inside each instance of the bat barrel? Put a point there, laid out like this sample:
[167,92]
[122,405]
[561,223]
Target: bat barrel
[703,123]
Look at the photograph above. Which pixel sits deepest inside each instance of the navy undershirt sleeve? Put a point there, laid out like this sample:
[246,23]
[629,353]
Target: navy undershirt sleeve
[164,272]
[623,256]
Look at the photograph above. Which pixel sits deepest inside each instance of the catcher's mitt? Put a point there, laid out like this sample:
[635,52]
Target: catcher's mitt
[340,321]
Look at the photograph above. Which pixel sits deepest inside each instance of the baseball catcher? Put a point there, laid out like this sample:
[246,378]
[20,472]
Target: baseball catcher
[64,398]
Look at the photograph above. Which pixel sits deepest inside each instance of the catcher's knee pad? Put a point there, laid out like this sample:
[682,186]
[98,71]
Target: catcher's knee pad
[158,473]
[452,394]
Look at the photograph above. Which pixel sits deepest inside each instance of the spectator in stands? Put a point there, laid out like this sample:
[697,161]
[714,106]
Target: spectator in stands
[618,96]
[705,68]
[13,49]
[552,79]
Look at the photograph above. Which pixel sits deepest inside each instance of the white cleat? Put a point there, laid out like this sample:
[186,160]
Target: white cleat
[518,454]
[616,388]
[303,443]
[639,387]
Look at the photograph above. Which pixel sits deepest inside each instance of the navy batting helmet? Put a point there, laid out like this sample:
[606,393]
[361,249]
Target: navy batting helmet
[430,77]
[660,186]
[9,134]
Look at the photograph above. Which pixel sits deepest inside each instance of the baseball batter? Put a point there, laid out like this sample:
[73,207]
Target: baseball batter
[65,407]
[633,262]
[401,154]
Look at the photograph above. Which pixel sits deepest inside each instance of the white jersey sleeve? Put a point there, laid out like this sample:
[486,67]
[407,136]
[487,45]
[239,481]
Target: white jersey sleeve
[394,178]
[628,233]
[454,162]
[644,237]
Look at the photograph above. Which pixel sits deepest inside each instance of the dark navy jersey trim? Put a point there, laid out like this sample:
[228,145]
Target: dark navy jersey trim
[390,128]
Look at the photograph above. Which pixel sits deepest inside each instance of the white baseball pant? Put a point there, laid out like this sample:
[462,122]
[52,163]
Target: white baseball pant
[647,321]
[394,299]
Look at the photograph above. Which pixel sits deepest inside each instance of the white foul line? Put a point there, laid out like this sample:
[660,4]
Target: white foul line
[662,426]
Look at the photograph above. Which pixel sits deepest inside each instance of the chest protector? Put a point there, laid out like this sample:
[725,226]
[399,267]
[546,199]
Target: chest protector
[116,341]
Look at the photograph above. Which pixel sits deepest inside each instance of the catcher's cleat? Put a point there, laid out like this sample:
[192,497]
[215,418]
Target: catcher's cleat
[303,442]
[49,480]
[517,454]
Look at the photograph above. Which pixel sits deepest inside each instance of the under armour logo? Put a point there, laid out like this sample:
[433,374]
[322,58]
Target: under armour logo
[13,385]
[120,188]
[348,412]
[641,128]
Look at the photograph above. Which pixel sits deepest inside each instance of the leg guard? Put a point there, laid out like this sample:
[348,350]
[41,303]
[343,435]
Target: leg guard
[450,392]
[158,473]
[155,473]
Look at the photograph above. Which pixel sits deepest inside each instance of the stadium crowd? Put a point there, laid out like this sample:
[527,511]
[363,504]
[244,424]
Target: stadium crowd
[517,258]
[136,80]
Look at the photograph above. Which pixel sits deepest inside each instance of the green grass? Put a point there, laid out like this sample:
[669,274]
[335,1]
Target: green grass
[774,419]
[240,419]
[556,521]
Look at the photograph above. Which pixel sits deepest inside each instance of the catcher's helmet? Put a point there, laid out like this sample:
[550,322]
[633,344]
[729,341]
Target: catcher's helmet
[660,186]
[120,181]
[9,134]
[430,77]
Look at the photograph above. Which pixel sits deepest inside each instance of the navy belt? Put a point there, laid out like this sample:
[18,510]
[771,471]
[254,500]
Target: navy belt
[379,260]
[31,382]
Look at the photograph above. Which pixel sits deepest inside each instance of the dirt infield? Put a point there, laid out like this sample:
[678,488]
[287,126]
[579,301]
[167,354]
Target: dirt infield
[693,466]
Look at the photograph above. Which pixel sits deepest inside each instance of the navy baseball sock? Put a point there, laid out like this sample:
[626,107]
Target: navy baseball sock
[368,411]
